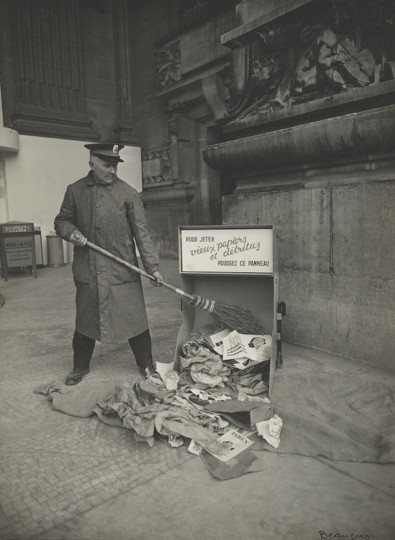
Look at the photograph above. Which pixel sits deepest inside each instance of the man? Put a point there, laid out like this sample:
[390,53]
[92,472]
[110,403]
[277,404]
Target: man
[110,303]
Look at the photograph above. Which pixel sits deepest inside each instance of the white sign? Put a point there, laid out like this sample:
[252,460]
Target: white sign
[225,250]
[19,250]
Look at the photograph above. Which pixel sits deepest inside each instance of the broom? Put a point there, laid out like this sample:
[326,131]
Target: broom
[229,316]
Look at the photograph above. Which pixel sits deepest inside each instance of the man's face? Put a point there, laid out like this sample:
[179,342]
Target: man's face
[104,171]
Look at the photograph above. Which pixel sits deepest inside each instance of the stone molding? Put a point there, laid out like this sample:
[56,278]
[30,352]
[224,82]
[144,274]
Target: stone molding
[350,137]
[41,121]
[178,193]
[244,34]
[356,99]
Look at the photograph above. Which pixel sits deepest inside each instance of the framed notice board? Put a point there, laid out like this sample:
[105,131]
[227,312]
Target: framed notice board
[223,249]
[17,246]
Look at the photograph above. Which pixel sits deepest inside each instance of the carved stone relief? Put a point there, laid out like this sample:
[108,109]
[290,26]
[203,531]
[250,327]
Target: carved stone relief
[161,167]
[175,163]
[157,168]
[331,48]
[168,65]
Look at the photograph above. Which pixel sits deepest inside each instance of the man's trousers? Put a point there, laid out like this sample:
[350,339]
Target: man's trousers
[141,346]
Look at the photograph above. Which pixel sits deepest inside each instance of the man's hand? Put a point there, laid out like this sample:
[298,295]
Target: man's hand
[157,279]
[77,238]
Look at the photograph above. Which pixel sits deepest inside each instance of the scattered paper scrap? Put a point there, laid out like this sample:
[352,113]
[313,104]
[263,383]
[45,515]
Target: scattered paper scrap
[216,339]
[171,380]
[163,368]
[233,444]
[175,441]
[270,430]
[246,346]
[194,448]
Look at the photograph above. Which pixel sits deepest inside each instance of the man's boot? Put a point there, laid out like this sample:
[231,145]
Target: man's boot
[142,349]
[83,347]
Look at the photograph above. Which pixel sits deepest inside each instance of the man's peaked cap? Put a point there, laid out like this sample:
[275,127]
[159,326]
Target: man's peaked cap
[106,151]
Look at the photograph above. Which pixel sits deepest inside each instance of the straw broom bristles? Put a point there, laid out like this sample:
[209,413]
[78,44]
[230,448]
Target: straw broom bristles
[230,316]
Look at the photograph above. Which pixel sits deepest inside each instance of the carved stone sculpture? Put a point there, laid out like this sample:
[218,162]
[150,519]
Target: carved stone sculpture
[168,65]
[328,49]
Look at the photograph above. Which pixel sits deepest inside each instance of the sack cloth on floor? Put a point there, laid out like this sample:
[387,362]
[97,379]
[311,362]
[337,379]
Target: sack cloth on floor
[81,401]
[232,469]
[341,410]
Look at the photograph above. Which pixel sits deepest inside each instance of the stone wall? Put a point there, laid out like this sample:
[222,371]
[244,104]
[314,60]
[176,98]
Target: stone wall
[334,241]
[308,147]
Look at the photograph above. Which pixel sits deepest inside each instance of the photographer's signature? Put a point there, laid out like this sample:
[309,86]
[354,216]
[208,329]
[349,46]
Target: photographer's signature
[339,536]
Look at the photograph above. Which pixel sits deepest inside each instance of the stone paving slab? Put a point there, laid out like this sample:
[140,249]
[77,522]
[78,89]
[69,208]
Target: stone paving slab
[55,467]
[63,477]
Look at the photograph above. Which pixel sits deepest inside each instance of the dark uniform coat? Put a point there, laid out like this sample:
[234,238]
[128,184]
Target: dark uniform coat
[109,300]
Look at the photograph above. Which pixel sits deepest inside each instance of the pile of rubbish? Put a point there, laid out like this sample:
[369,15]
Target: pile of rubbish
[216,400]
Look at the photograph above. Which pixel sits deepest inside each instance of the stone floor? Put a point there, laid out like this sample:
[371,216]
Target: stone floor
[75,478]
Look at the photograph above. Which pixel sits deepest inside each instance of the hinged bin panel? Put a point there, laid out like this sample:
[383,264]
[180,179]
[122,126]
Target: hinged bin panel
[258,292]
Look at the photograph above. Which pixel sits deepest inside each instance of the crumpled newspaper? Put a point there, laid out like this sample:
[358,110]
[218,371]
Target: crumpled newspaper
[203,365]
[207,380]
[171,380]
[270,430]
[195,348]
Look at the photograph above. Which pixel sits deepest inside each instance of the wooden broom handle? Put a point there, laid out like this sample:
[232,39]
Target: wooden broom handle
[138,270]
